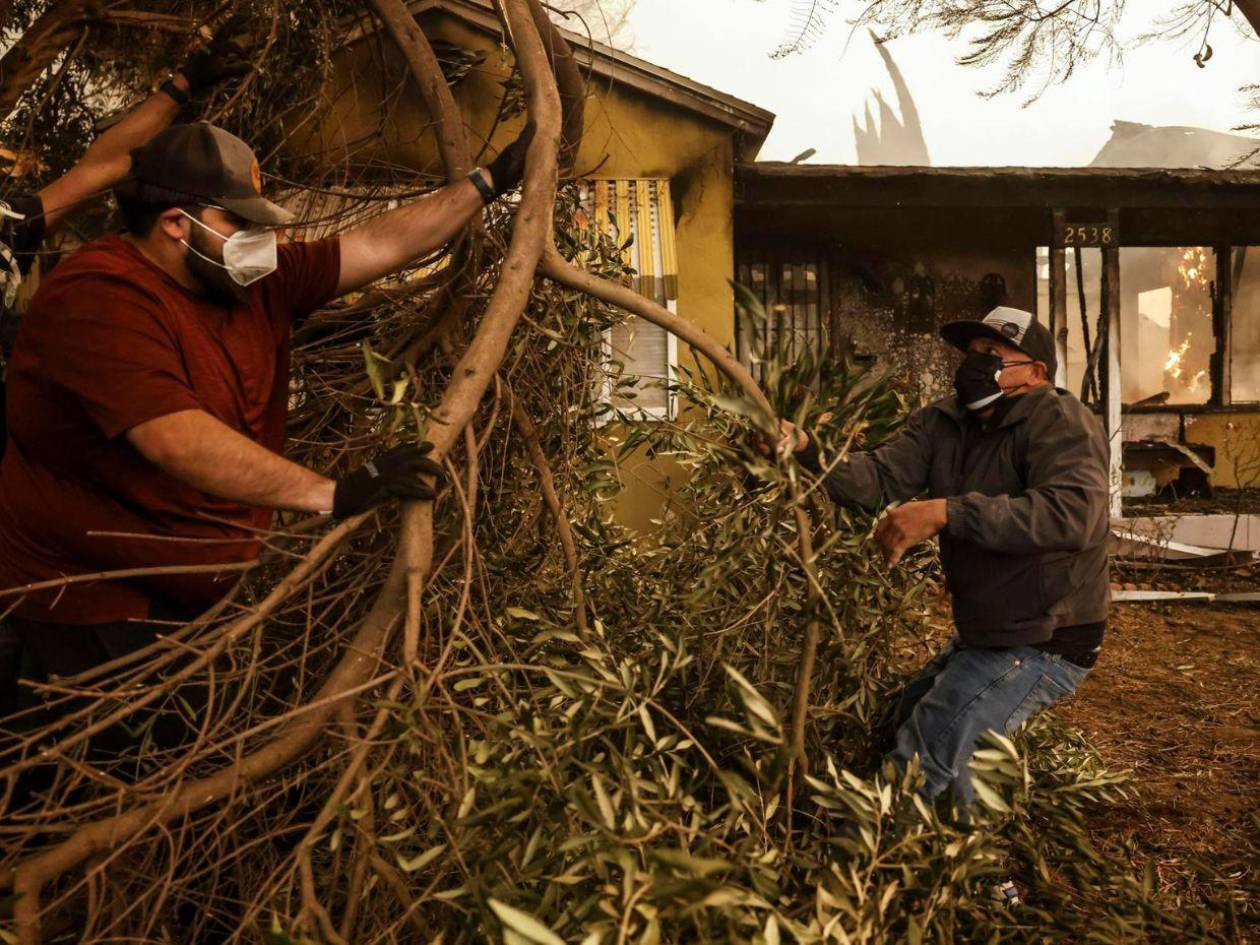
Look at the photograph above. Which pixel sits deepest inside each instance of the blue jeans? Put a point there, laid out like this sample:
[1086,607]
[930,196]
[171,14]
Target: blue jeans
[964,692]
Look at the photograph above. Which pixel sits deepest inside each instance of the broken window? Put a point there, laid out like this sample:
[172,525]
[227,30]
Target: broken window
[640,356]
[1167,333]
[1244,337]
[1167,337]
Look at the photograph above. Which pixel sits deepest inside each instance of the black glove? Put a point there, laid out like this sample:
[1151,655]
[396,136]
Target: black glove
[508,169]
[392,475]
[219,60]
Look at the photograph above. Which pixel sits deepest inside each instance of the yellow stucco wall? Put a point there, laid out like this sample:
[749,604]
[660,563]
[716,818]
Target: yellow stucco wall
[627,134]
[1236,437]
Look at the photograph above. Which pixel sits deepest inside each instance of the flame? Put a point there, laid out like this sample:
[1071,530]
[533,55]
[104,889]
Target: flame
[1173,364]
[1193,267]
[1190,288]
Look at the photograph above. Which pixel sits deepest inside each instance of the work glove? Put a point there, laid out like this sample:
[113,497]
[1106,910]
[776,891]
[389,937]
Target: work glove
[392,475]
[508,169]
[219,60]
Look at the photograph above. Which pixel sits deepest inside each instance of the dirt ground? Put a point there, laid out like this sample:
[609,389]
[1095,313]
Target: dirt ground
[1176,699]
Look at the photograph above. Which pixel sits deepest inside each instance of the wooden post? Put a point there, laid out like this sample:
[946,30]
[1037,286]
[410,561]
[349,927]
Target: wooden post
[1111,379]
[1058,324]
[1222,322]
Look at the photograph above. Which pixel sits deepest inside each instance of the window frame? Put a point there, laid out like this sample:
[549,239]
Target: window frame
[1221,291]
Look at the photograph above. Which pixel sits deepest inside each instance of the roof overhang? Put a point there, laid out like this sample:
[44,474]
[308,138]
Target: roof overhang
[1046,187]
[747,120]
[873,205]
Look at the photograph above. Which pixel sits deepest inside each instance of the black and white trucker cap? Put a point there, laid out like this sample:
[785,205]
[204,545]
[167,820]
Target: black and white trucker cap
[1011,325]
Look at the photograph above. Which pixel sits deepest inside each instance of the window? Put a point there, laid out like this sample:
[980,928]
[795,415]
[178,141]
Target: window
[792,287]
[1244,337]
[1167,334]
[640,356]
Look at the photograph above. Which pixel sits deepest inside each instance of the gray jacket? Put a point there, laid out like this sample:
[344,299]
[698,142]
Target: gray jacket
[1025,548]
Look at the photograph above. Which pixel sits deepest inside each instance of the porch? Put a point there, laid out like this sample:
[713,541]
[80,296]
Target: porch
[1148,278]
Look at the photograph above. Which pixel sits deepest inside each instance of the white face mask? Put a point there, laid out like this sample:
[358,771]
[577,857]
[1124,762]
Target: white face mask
[248,255]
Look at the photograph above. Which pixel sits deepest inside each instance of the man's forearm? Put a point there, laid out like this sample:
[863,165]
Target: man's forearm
[388,242]
[137,126]
[205,453]
[108,160]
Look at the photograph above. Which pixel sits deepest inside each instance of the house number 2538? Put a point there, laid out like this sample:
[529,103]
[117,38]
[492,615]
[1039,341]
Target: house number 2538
[1089,234]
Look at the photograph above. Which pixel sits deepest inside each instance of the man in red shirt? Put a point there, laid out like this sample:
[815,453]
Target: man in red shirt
[26,219]
[149,385]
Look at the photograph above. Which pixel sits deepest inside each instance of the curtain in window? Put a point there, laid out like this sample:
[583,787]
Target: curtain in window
[640,211]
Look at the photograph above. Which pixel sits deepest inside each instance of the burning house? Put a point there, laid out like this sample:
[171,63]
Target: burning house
[1141,263]
[1148,278]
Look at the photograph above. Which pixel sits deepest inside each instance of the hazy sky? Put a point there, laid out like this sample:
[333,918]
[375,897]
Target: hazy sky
[726,44]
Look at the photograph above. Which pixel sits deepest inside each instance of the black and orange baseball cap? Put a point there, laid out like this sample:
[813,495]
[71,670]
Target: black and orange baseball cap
[206,162]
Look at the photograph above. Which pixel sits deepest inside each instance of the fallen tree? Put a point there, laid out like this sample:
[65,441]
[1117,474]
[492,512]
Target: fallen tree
[497,714]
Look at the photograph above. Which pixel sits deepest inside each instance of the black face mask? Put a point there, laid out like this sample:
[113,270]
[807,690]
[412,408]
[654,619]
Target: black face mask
[976,379]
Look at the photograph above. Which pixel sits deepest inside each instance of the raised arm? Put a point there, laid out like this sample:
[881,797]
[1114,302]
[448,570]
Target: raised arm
[387,243]
[108,160]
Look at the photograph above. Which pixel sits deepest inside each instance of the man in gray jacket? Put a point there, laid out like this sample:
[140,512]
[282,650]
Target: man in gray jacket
[1014,475]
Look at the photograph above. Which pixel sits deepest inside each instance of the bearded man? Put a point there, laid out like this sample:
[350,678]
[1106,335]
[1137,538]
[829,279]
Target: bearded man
[149,388]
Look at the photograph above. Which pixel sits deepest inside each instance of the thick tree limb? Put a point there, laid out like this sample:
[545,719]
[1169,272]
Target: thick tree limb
[476,369]
[568,83]
[417,527]
[448,121]
[556,268]
[47,38]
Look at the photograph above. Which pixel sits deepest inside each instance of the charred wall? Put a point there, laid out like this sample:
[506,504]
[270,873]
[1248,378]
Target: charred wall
[885,307]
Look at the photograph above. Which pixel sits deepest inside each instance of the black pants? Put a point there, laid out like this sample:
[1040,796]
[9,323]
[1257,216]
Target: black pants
[38,651]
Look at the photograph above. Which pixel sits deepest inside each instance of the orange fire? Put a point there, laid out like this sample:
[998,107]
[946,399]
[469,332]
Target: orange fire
[1193,268]
[1173,365]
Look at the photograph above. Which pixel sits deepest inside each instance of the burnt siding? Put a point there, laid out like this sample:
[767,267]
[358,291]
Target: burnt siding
[882,306]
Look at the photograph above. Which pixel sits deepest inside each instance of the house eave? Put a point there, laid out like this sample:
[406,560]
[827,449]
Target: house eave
[749,121]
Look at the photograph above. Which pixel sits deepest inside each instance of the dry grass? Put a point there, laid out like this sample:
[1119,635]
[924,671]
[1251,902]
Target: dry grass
[1176,699]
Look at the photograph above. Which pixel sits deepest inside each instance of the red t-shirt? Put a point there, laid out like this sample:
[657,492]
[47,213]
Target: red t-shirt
[111,341]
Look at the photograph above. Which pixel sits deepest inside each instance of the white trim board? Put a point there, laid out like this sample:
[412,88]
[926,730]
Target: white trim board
[1195,534]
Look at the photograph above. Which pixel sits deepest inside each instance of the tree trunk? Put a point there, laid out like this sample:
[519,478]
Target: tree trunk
[568,83]
[411,41]
[1250,11]
[49,36]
